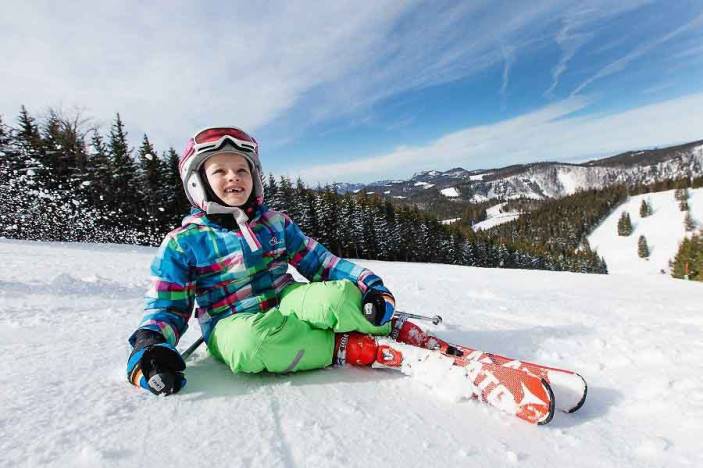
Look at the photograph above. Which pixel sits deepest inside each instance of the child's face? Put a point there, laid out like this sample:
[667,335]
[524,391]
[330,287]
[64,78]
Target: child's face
[230,178]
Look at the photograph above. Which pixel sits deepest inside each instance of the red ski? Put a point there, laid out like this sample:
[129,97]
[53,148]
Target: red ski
[569,387]
[524,395]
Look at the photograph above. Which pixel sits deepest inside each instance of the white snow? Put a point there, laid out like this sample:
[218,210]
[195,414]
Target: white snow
[66,311]
[569,183]
[494,217]
[450,220]
[424,185]
[664,230]
[450,192]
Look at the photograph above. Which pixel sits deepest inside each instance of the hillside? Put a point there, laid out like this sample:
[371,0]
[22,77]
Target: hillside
[542,180]
[495,217]
[664,230]
[66,311]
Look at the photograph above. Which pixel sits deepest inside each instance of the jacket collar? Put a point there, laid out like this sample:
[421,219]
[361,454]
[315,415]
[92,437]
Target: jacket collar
[198,217]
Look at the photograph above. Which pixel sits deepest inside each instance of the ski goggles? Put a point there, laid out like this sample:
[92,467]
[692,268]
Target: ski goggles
[214,138]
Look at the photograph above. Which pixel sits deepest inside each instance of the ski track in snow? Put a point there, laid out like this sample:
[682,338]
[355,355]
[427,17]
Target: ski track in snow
[66,311]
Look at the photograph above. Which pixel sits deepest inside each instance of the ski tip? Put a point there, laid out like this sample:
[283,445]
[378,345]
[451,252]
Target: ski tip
[550,414]
[583,398]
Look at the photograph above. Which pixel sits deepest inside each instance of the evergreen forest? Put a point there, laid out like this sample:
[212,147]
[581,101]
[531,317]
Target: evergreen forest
[64,180]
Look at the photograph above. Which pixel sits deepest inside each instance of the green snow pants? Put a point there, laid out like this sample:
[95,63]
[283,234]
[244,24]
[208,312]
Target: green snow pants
[296,335]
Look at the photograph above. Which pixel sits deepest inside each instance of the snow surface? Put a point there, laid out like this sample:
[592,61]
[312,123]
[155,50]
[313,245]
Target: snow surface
[664,231]
[66,311]
[568,182]
[494,217]
[450,192]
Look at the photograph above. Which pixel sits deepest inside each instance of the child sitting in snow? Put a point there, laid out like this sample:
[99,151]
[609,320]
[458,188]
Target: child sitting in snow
[229,261]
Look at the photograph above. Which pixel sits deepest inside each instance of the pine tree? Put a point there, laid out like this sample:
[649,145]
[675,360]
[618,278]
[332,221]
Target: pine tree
[151,179]
[681,194]
[7,219]
[123,182]
[175,201]
[5,153]
[688,263]
[271,191]
[26,186]
[689,223]
[642,247]
[287,198]
[624,224]
[99,175]
[645,209]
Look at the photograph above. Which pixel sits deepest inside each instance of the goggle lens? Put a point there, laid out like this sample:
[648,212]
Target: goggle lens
[213,134]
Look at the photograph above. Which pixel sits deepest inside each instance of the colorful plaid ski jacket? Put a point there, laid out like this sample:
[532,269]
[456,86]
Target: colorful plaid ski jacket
[211,269]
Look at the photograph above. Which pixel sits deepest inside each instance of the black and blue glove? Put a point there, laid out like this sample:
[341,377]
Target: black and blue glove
[155,365]
[378,305]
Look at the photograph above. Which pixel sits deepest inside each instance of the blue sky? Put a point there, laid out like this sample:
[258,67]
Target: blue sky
[361,91]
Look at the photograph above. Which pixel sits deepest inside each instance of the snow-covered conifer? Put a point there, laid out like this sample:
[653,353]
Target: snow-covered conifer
[645,209]
[624,224]
[642,247]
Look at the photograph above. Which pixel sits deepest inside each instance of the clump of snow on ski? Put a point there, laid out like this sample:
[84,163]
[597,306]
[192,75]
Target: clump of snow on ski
[435,371]
[512,391]
[570,388]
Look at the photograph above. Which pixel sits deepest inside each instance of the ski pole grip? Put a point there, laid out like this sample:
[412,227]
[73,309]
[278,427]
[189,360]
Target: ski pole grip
[436,320]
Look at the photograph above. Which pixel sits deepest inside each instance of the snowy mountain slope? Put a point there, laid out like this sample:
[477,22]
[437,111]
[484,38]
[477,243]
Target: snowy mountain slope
[664,230]
[555,180]
[494,217]
[67,309]
[551,179]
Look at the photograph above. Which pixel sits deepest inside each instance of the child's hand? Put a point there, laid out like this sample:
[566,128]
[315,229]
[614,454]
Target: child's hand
[378,305]
[157,368]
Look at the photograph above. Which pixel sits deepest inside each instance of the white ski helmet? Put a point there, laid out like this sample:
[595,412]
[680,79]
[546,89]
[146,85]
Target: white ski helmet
[209,142]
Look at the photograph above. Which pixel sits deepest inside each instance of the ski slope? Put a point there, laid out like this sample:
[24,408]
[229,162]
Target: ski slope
[663,229]
[495,217]
[66,311]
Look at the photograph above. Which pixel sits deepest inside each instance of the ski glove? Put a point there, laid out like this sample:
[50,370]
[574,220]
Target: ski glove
[155,366]
[378,305]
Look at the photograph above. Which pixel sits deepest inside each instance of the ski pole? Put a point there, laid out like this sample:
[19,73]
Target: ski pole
[186,354]
[436,319]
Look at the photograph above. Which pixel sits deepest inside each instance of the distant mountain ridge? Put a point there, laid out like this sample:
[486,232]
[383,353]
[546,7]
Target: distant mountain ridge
[545,179]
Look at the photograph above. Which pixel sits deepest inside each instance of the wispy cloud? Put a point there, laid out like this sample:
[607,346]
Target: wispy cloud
[622,63]
[692,51]
[508,58]
[249,62]
[569,42]
[659,87]
[171,67]
[578,27]
[549,133]
[271,65]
